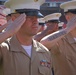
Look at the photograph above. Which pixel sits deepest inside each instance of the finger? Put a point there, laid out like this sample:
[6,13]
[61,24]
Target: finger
[9,22]
[20,19]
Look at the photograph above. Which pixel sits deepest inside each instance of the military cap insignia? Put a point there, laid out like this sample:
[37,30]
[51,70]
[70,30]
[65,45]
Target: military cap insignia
[35,0]
[57,15]
[14,11]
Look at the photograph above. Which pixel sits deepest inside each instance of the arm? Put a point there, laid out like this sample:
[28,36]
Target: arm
[40,35]
[51,39]
[50,29]
[3,27]
[12,28]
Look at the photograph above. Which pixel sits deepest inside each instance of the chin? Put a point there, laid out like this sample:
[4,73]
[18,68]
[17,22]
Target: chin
[34,34]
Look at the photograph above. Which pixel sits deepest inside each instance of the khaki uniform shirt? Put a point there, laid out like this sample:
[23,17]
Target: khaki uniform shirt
[15,61]
[64,56]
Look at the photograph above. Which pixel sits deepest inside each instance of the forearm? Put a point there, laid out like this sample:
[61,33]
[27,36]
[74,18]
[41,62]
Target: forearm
[4,36]
[51,39]
[2,27]
[40,35]
[57,35]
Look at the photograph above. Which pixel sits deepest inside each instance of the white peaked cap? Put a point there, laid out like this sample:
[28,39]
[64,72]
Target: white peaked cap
[41,20]
[23,4]
[2,7]
[6,11]
[54,16]
[68,5]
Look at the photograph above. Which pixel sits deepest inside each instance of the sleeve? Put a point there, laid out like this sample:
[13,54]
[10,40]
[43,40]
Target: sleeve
[3,49]
[0,53]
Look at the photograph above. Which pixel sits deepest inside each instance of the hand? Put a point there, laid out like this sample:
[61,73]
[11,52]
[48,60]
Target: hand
[71,24]
[52,28]
[14,26]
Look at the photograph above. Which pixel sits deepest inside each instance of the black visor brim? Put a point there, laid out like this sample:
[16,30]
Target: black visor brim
[30,12]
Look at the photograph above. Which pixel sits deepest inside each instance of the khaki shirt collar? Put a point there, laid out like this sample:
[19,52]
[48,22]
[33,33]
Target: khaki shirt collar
[38,46]
[16,46]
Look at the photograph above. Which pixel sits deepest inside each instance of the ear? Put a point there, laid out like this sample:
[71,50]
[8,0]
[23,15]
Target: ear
[13,17]
[67,17]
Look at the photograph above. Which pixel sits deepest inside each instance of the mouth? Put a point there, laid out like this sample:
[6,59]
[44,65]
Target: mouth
[35,27]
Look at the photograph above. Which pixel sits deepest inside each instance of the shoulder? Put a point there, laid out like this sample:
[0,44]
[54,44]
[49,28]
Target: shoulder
[41,47]
[4,45]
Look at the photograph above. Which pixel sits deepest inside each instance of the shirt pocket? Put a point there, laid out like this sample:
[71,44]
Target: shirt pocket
[44,70]
[69,57]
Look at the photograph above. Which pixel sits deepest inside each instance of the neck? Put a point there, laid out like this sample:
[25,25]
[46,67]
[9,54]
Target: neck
[24,40]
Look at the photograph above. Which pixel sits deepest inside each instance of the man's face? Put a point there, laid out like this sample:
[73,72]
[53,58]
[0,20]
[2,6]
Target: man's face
[54,25]
[30,26]
[68,16]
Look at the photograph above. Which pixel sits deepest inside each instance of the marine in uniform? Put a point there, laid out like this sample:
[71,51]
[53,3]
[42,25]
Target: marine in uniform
[64,49]
[22,55]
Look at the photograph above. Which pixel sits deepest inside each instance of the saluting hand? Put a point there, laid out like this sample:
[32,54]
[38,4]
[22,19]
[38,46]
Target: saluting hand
[71,24]
[14,26]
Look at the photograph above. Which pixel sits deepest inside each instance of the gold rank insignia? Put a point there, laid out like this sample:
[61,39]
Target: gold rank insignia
[14,11]
[35,0]
[57,15]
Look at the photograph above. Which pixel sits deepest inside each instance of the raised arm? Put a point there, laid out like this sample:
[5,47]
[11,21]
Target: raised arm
[50,29]
[3,27]
[51,39]
[12,27]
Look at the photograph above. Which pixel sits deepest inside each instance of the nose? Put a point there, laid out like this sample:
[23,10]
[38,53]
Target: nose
[35,19]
